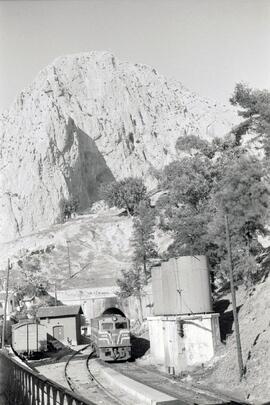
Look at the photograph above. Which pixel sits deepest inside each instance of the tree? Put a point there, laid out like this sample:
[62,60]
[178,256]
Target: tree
[126,193]
[183,210]
[131,283]
[201,190]
[143,237]
[255,109]
[33,284]
[242,193]
[68,207]
[193,143]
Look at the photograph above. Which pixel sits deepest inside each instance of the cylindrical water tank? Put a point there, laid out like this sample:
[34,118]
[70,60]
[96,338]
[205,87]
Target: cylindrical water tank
[182,286]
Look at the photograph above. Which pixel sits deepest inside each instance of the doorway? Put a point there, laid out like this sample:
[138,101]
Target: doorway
[58,332]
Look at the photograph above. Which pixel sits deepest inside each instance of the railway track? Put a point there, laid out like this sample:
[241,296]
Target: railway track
[85,376]
[189,395]
[82,378]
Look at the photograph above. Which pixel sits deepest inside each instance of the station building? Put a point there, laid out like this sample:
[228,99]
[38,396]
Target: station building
[62,322]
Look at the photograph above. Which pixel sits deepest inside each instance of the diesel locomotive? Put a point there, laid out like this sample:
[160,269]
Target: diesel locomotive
[110,334]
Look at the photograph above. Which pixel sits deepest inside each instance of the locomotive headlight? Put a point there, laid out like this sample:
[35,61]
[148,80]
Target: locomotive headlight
[114,318]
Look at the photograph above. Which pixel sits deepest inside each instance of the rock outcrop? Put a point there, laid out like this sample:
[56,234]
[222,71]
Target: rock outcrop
[85,120]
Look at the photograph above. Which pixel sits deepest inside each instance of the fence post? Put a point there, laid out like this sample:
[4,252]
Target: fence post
[19,385]
[4,376]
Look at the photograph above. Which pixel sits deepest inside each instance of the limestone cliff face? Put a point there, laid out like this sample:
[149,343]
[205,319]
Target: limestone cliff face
[87,119]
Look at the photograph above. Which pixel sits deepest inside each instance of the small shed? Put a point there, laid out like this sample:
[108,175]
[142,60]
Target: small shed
[64,322]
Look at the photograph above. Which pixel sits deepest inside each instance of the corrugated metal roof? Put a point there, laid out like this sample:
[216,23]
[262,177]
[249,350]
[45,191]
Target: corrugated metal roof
[55,312]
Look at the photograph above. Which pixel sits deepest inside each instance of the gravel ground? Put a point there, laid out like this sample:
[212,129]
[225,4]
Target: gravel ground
[80,377]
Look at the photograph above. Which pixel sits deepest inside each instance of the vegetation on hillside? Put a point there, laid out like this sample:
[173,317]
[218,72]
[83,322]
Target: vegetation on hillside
[211,179]
[32,287]
[207,181]
[126,193]
[254,107]
[68,207]
[142,241]
[133,281]
[201,190]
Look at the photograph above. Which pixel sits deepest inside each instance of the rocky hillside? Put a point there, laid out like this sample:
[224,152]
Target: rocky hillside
[87,251]
[254,322]
[85,120]
[91,248]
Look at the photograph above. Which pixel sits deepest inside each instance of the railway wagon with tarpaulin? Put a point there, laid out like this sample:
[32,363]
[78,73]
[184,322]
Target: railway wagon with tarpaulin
[29,337]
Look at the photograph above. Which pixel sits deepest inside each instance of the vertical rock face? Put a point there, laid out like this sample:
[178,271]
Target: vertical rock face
[85,120]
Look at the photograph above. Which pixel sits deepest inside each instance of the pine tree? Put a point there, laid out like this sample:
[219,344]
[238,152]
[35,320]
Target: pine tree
[241,192]
[183,210]
[131,283]
[201,190]
[255,109]
[143,237]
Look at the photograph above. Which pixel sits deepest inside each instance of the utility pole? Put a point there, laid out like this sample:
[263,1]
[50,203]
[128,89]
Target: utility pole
[235,315]
[5,308]
[69,266]
[55,294]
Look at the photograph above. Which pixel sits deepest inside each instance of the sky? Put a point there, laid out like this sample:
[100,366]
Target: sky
[208,45]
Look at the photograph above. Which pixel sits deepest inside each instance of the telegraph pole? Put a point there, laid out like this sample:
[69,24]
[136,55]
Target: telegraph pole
[235,315]
[55,294]
[69,266]
[5,308]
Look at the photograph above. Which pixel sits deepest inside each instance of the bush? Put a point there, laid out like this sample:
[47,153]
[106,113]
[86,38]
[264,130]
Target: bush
[68,207]
[126,193]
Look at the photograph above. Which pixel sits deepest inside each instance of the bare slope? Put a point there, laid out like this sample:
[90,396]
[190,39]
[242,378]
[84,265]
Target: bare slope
[87,119]
[87,251]
[99,247]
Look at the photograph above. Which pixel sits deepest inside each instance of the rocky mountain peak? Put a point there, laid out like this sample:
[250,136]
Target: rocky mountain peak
[87,119]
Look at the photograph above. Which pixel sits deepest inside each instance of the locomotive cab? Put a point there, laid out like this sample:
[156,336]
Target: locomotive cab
[111,337]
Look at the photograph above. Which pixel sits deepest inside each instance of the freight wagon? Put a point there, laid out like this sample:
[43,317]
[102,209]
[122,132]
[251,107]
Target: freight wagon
[29,338]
